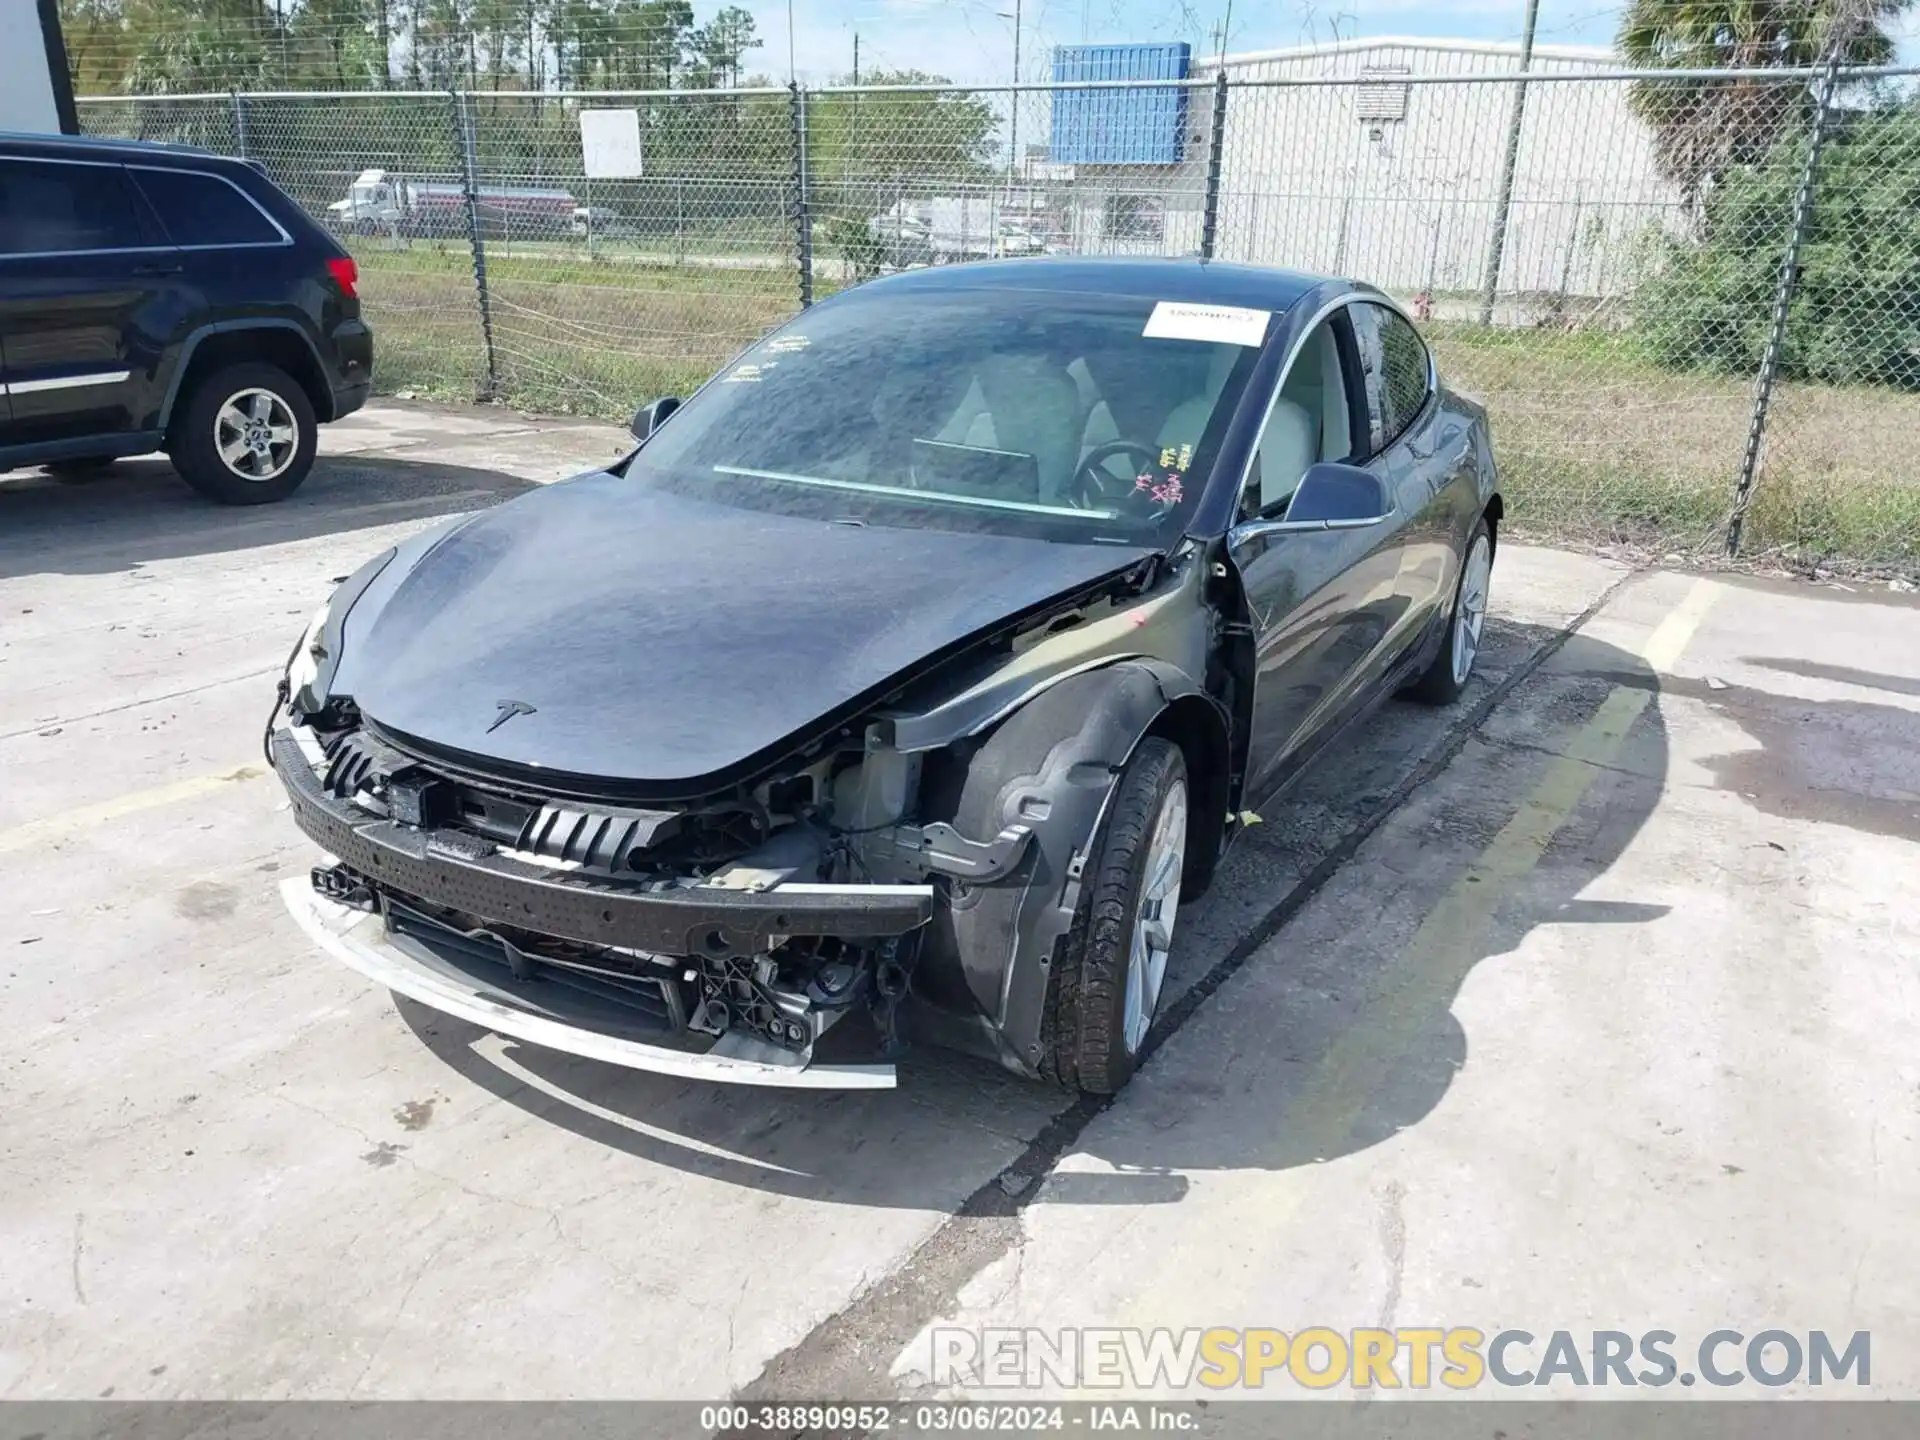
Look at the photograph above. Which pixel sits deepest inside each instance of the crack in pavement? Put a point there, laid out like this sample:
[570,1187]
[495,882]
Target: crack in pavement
[849,1355]
[552,1213]
[1393,1246]
[64,720]
[399,1313]
[1528,747]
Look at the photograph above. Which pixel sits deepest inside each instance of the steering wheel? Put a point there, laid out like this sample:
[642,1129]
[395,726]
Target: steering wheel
[1095,486]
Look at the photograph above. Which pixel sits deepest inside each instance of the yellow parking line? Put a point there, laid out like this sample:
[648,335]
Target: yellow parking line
[1448,943]
[1669,640]
[1449,940]
[51,827]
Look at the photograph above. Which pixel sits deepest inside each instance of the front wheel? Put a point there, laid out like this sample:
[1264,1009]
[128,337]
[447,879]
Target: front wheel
[1445,679]
[1102,996]
[247,435]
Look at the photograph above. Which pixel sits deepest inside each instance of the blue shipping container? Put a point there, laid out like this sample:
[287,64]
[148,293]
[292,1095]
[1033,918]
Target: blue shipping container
[1119,127]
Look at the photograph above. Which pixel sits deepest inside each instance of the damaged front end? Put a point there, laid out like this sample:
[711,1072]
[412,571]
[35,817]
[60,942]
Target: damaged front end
[722,940]
[769,922]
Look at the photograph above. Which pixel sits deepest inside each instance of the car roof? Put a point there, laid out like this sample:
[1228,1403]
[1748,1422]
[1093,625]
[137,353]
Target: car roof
[90,147]
[1192,280]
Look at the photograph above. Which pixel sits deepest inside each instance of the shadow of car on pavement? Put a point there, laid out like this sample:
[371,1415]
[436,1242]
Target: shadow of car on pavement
[140,511]
[1304,1008]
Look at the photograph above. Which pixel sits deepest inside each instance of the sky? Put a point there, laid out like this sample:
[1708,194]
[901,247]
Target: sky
[972,40]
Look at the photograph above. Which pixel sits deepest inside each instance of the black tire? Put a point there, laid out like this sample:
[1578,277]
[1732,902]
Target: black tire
[197,457]
[1083,1033]
[78,472]
[1443,682]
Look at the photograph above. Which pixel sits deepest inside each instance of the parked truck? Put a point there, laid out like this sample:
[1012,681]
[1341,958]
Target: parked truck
[953,228]
[380,202]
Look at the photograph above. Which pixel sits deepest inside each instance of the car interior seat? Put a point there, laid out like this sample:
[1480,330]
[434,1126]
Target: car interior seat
[1026,404]
[1308,423]
[1184,424]
[1187,421]
[1289,445]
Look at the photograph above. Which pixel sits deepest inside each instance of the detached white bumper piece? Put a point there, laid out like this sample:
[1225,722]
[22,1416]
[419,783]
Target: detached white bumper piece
[360,939]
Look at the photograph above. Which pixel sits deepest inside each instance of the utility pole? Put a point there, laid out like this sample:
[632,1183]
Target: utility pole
[1503,201]
[856,59]
[1013,109]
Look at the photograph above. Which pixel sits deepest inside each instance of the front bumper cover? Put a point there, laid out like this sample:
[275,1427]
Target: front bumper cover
[461,873]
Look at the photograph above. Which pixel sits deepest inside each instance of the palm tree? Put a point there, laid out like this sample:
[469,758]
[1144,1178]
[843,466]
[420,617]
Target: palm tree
[1701,127]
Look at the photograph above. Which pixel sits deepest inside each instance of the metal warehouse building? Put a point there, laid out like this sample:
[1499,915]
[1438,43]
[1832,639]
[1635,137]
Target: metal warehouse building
[1343,158]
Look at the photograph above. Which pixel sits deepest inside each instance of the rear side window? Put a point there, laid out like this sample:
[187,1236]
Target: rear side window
[48,208]
[201,209]
[1394,360]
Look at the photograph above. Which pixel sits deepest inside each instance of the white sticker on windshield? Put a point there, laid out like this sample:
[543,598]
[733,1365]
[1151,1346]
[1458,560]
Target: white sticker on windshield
[1216,324]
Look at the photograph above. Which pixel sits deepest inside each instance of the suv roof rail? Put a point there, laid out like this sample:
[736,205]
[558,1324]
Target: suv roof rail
[106,142]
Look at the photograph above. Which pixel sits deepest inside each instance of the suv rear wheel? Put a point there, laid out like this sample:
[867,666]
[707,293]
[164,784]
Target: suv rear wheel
[247,435]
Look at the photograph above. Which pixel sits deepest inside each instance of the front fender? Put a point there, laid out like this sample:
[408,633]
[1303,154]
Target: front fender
[1051,767]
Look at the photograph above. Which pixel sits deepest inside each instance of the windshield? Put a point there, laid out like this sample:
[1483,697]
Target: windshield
[1026,412]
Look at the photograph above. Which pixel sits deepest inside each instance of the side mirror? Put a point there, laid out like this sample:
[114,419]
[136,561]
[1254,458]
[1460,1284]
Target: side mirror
[1339,496]
[649,417]
[1330,496]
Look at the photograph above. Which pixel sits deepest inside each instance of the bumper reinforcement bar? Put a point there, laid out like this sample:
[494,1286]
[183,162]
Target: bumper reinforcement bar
[460,873]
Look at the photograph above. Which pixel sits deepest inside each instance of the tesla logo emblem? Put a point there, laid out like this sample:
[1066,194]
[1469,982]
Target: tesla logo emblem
[508,709]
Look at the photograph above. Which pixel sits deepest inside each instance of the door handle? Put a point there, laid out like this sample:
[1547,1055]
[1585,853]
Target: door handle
[158,267]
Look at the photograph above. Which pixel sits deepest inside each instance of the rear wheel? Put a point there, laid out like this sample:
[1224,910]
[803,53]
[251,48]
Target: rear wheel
[1105,990]
[1447,676]
[247,435]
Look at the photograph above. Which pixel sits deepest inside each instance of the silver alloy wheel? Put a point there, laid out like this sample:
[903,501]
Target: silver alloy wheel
[1153,917]
[1470,615]
[255,434]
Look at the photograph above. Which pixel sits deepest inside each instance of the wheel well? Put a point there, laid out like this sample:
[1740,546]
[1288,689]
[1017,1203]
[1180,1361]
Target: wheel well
[1193,723]
[270,343]
[1495,512]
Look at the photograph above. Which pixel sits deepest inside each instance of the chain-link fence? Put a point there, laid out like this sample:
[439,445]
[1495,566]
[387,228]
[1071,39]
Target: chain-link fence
[1689,300]
[1833,326]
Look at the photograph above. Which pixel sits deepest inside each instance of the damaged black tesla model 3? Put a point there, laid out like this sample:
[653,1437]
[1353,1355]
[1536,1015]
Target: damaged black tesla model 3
[902,682]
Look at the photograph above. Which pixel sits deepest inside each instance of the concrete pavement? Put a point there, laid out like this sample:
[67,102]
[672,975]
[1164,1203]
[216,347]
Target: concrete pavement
[1615,1025]
[1521,995]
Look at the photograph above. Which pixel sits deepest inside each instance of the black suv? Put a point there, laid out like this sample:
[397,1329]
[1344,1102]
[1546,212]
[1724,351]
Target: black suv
[154,297]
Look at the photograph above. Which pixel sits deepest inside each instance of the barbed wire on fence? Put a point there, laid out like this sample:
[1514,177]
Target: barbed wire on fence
[1613,304]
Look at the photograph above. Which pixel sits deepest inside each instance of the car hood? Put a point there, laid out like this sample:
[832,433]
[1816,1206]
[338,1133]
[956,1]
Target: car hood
[606,629]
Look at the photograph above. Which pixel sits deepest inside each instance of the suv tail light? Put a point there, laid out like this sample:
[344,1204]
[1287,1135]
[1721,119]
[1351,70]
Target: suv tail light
[345,274]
